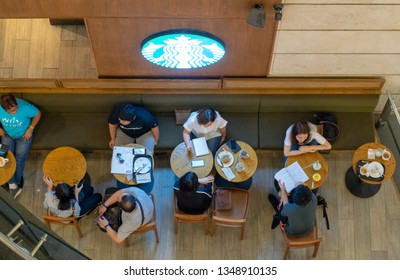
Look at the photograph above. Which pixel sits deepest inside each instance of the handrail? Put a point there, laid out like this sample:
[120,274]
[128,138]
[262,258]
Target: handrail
[395,109]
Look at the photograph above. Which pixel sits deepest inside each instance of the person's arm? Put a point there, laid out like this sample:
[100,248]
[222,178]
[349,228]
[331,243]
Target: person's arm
[284,195]
[156,134]
[186,139]
[103,223]
[49,183]
[34,122]
[2,132]
[112,128]
[113,199]
[223,134]
[287,152]
[206,180]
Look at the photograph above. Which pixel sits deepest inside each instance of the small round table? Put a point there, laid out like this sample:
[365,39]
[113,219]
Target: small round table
[181,162]
[362,187]
[306,161]
[8,170]
[123,177]
[250,163]
[65,164]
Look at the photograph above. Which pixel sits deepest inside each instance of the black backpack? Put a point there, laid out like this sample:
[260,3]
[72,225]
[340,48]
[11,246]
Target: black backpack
[327,125]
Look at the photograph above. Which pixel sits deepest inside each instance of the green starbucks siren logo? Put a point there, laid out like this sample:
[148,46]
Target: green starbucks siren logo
[183,49]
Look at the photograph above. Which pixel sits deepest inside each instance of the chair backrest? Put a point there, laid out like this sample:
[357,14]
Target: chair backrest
[152,225]
[308,240]
[70,221]
[180,216]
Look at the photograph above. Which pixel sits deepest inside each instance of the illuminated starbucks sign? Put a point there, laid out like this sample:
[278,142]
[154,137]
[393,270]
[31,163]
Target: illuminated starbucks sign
[183,49]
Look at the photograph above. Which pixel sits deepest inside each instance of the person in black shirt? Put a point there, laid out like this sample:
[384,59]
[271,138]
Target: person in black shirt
[133,124]
[193,195]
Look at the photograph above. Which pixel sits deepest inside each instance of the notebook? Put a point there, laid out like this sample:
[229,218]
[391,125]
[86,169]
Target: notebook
[200,146]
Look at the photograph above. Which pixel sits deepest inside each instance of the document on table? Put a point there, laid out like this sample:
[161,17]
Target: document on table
[200,146]
[291,176]
[122,160]
[228,173]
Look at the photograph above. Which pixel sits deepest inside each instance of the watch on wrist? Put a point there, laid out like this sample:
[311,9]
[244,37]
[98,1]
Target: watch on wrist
[103,203]
[106,226]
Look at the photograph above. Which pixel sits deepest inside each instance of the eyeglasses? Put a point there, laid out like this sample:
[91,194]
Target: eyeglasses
[119,156]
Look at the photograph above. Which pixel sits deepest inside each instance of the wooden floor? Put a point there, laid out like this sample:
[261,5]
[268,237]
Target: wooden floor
[359,228]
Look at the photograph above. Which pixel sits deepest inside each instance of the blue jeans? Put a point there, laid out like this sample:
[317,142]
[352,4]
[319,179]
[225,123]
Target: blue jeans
[20,148]
[146,187]
[87,200]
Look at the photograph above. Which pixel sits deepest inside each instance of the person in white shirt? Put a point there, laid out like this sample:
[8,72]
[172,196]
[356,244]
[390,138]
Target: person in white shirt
[301,138]
[206,123]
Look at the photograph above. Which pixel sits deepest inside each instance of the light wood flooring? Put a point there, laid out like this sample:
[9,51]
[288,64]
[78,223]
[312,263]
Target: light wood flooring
[359,228]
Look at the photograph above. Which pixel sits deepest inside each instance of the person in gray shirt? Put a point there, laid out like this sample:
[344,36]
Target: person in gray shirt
[137,209]
[296,210]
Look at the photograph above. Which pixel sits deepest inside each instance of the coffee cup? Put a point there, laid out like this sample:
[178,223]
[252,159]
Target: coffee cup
[3,161]
[316,165]
[386,155]
[363,170]
[378,152]
[239,167]
[244,153]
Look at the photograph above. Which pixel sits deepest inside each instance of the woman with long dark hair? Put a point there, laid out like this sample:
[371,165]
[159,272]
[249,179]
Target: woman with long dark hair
[301,138]
[66,201]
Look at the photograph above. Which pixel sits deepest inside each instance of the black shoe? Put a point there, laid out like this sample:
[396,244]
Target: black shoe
[275,222]
[274,201]
[21,184]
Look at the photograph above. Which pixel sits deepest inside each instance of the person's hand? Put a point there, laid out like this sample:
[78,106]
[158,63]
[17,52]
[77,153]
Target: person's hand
[111,143]
[102,209]
[206,180]
[189,149]
[48,181]
[28,134]
[2,132]
[102,221]
[307,149]
[78,188]
[282,185]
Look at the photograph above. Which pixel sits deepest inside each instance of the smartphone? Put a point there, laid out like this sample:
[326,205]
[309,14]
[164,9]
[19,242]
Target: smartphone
[80,183]
[198,163]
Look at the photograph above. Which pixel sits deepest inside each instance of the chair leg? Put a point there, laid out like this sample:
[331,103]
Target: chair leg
[176,225]
[286,252]
[212,228]
[242,232]
[78,229]
[126,241]
[156,233]
[316,247]
[205,226]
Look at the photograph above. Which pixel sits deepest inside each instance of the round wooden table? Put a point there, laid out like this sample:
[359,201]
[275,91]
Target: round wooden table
[362,187]
[123,177]
[65,164]
[250,163]
[181,162]
[8,170]
[306,161]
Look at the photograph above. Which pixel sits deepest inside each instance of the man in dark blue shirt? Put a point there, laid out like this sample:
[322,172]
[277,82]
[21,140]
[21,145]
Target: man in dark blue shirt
[133,124]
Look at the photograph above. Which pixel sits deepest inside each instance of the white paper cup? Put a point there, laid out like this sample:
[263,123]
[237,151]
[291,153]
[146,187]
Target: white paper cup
[386,155]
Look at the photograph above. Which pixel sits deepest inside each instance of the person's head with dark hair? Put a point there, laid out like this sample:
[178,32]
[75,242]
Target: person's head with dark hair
[127,202]
[206,116]
[301,195]
[300,133]
[64,193]
[9,103]
[188,182]
[127,114]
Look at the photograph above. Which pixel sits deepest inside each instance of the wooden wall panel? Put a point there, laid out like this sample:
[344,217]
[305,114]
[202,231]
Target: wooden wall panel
[361,42]
[341,17]
[335,64]
[116,45]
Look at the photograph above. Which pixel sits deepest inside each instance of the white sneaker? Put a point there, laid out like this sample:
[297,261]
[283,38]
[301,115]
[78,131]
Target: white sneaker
[15,192]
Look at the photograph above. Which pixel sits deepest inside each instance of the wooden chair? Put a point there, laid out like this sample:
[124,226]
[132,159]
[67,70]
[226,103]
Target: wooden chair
[236,216]
[181,217]
[152,225]
[70,221]
[308,240]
